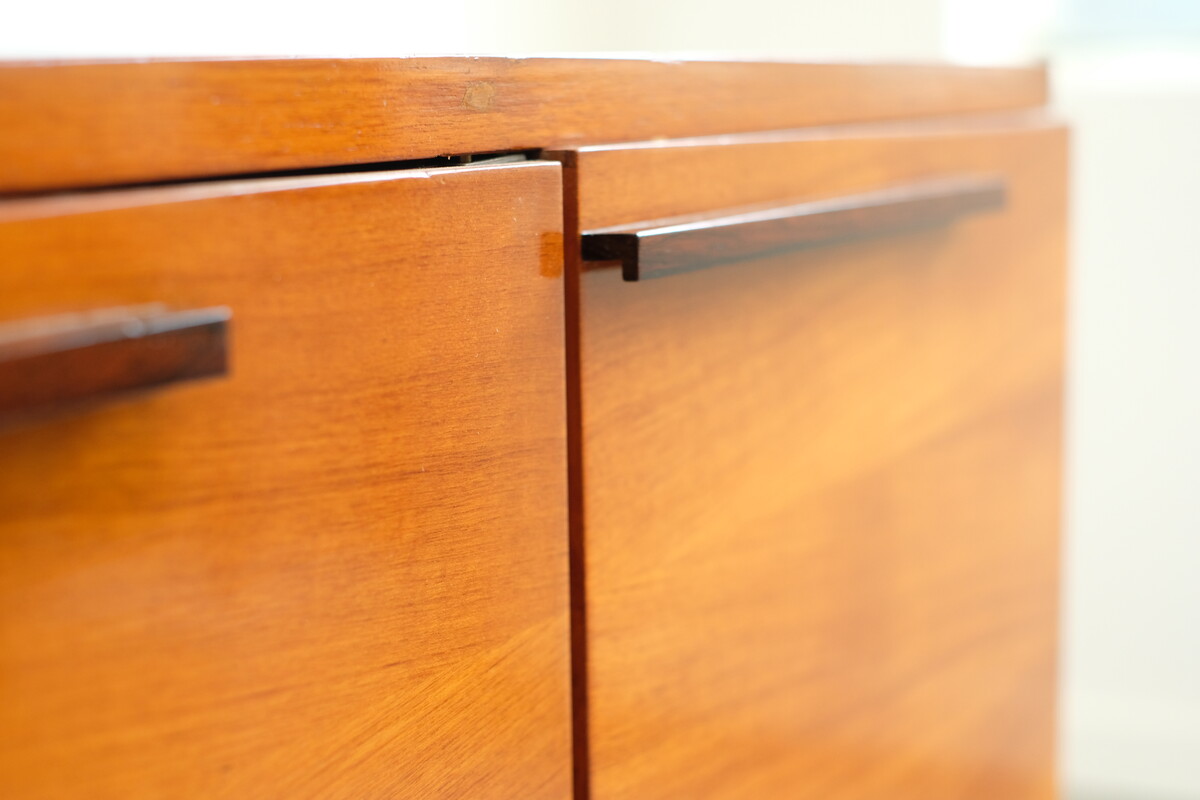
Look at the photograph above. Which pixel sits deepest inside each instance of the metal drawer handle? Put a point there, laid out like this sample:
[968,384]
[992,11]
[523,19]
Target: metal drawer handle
[56,361]
[682,244]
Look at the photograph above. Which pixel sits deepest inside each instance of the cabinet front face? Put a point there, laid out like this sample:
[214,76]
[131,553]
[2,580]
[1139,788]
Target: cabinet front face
[819,488]
[339,571]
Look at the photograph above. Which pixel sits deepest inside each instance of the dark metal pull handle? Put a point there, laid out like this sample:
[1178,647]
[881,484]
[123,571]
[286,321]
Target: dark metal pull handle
[73,358]
[681,244]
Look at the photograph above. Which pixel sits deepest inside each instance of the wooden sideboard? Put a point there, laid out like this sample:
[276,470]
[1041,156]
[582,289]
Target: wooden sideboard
[529,428]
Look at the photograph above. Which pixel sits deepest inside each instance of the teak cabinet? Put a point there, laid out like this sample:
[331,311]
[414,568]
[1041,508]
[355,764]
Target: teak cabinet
[486,428]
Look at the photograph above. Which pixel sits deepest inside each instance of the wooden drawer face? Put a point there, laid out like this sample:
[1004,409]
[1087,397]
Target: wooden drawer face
[820,489]
[339,572]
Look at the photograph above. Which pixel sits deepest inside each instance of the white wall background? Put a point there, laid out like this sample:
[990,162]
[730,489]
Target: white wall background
[1127,74]
[1133,557]
[804,28]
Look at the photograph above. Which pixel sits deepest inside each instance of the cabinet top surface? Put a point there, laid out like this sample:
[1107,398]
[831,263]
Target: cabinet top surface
[77,124]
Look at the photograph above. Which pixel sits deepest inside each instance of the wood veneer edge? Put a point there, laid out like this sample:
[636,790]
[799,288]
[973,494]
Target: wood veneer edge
[572,272]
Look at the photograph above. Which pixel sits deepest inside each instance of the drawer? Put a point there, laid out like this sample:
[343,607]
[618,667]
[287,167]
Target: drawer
[334,565]
[818,529]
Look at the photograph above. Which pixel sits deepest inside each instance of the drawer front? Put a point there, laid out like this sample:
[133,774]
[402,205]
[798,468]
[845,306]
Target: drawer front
[338,570]
[818,542]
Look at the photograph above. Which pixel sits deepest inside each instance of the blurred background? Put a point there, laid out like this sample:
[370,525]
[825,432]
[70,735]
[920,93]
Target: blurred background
[1126,74]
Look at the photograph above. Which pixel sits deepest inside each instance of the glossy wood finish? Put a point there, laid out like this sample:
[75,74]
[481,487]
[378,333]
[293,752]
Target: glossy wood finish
[682,244]
[817,494]
[64,125]
[341,572]
[47,363]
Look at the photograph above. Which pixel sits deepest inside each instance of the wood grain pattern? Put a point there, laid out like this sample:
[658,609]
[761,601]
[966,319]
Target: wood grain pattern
[818,494]
[49,363]
[660,248]
[341,572]
[64,125]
